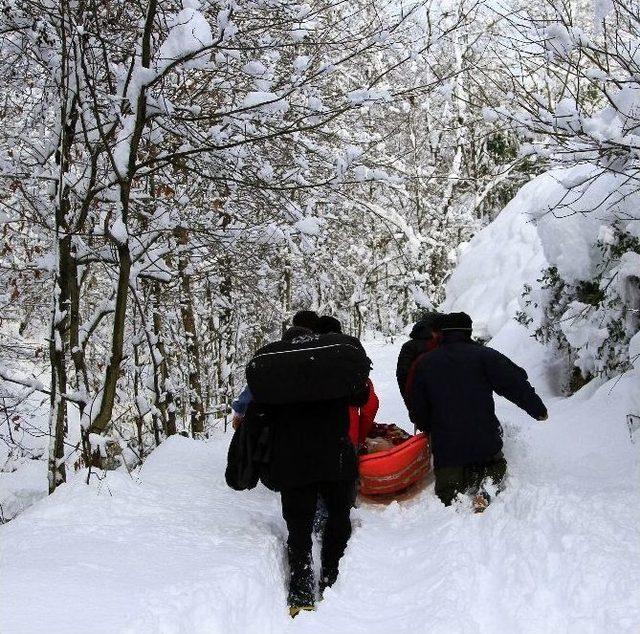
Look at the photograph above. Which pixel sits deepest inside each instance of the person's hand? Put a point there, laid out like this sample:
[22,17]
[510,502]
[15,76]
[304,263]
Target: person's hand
[544,417]
[236,421]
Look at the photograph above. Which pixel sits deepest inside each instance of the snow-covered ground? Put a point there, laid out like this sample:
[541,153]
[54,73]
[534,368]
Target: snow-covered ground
[172,550]
[23,472]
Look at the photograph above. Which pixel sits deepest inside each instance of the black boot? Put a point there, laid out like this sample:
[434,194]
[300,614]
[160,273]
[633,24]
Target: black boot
[301,594]
[328,577]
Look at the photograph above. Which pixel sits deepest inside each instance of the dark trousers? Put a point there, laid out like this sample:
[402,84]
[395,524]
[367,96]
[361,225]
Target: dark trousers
[298,510]
[469,478]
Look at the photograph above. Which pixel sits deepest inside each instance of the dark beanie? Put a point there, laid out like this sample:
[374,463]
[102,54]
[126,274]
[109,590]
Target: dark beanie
[306,319]
[328,324]
[457,321]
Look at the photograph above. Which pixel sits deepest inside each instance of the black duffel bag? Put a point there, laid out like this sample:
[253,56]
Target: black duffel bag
[249,456]
[309,368]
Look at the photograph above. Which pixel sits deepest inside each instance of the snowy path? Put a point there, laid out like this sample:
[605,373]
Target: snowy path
[175,551]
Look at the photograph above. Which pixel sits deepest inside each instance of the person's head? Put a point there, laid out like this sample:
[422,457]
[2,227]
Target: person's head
[429,325]
[306,319]
[457,323]
[328,324]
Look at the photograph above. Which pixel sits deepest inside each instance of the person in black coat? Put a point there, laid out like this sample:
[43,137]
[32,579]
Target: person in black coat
[312,456]
[452,400]
[423,338]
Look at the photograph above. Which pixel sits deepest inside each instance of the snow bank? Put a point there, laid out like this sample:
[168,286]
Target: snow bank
[24,438]
[21,488]
[555,219]
[634,351]
[568,235]
[545,370]
[172,550]
[494,266]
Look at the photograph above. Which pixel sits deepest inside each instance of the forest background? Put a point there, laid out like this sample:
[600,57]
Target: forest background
[177,178]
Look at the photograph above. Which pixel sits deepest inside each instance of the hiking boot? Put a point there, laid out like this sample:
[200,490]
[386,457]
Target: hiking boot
[328,577]
[481,501]
[294,610]
[301,584]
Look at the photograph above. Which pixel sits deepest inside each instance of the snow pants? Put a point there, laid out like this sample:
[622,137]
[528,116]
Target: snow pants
[468,478]
[298,510]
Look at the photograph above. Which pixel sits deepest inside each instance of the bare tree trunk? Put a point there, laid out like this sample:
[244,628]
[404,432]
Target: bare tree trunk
[286,289]
[137,382]
[197,412]
[164,393]
[78,357]
[58,358]
[61,303]
[103,418]
[358,313]
[223,347]
[211,350]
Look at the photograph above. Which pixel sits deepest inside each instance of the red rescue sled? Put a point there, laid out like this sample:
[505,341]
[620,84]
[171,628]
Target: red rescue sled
[395,469]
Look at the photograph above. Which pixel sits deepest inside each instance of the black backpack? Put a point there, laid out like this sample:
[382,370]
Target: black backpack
[249,456]
[309,368]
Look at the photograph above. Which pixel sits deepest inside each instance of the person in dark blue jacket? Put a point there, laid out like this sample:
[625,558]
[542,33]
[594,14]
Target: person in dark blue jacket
[452,400]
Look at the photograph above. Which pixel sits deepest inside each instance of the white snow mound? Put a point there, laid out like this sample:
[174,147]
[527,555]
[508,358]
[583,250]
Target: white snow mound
[554,220]
[494,266]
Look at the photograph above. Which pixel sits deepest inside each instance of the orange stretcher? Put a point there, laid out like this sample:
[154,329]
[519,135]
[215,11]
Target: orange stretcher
[395,469]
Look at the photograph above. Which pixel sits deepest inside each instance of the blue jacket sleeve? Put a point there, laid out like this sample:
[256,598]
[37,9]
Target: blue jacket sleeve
[240,404]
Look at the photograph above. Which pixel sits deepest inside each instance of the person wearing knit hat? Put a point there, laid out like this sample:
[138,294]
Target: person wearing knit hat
[452,400]
[424,337]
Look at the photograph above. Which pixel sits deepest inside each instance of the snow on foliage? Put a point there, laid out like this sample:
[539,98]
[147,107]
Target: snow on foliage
[119,231]
[190,35]
[488,281]
[165,180]
[265,101]
[568,268]
[368,96]
[309,225]
[255,68]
